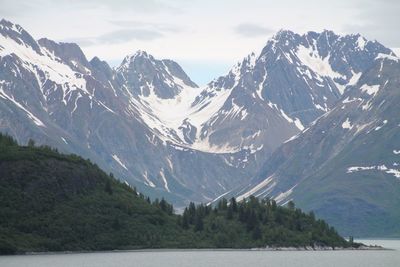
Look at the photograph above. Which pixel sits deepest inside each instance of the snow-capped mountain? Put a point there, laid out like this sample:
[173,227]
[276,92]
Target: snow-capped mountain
[296,78]
[345,166]
[148,123]
[263,100]
[123,118]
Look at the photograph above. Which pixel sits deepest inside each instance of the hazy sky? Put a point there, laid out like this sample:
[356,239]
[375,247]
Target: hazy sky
[205,36]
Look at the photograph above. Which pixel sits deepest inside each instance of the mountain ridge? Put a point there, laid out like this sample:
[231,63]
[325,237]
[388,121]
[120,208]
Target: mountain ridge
[343,151]
[96,114]
[152,126]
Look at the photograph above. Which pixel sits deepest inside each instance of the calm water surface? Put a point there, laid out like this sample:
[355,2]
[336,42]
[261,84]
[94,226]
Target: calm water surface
[197,258]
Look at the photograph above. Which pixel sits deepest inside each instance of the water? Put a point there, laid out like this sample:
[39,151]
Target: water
[235,258]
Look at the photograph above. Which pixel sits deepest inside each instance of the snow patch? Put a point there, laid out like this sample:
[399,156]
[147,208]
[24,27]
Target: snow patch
[147,180]
[34,119]
[294,137]
[354,78]
[298,124]
[383,124]
[347,124]
[51,66]
[117,159]
[370,89]
[284,195]
[361,41]
[164,180]
[316,63]
[348,100]
[166,116]
[382,168]
[261,86]
[267,182]
[219,197]
[296,121]
[389,57]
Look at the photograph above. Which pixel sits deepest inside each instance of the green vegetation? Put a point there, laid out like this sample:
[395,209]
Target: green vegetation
[256,223]
[55,202]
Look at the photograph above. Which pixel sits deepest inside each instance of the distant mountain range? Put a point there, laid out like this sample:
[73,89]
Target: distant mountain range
[312,117]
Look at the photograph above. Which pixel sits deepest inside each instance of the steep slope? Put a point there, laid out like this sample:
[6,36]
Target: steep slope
[51,93]
[55,202]
[263,101]
[294,80]
[150,125]
[345,167]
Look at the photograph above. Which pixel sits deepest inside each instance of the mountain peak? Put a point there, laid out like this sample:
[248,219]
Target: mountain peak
[18,34]
[145,75]
[282,39]
[328,33]
[142,53]
[139,57]
[6,25]
[282,34]
[71,53]
[139,54]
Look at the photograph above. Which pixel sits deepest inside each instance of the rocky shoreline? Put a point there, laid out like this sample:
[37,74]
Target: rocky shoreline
[321,248]
[306,248]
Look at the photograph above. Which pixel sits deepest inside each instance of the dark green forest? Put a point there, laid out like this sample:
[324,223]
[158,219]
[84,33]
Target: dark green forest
[55,202]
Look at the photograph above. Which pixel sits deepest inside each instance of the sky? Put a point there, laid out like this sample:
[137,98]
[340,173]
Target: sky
[206,37]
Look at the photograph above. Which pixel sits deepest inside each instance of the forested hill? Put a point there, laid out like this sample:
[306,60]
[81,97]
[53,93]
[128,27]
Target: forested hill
[55,202]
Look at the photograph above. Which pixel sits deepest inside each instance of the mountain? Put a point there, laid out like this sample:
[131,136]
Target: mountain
[150,125]
[294,80]
[117,117]
[345,166]
[56,202]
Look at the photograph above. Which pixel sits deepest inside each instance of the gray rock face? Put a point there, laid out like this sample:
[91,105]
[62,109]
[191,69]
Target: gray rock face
[345,166]
[295,79]
[148,123]
[18,35]
[142,74]
[51,93]
[69,53]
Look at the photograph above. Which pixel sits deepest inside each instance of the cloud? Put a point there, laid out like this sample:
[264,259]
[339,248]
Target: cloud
[83,42]
[252,30]
[126,35]
[119,36]
[128,30]
[21,7]
[162,27]
[11,8]
[378,20]
[135,6]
